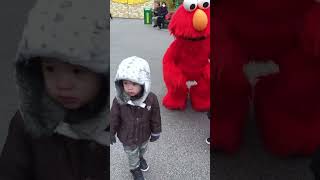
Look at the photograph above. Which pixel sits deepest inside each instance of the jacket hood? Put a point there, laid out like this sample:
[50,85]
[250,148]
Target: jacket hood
[75,32]
[137,70]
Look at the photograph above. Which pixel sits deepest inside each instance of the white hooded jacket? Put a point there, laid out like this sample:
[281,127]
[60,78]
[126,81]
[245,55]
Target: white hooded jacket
[137,70]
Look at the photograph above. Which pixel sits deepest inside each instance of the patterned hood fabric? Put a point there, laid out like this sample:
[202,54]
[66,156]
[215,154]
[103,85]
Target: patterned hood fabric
[137,70]
[76,32]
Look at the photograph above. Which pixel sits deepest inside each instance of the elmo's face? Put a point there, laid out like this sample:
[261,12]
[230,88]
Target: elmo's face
[191,20]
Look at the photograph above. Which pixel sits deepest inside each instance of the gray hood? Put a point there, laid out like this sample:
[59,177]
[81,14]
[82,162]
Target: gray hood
[137,70]
[76,32]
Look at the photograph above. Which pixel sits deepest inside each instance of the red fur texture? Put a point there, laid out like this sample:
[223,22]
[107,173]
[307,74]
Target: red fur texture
[288,103]
[187,60]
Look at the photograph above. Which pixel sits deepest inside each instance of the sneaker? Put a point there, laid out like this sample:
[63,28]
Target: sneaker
[143,165]
[137,174]
[208,141]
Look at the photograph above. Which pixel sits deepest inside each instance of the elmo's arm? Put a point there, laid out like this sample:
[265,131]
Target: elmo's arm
[173,76]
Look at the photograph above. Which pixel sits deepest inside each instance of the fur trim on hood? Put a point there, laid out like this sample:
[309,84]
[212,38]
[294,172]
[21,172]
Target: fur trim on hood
[75,32]
[137,70]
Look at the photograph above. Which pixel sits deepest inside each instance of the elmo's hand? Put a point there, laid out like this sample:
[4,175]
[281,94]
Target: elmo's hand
[191,83]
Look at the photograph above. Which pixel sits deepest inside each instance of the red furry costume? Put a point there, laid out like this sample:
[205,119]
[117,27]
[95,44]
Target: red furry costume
[187,58]
[288,103]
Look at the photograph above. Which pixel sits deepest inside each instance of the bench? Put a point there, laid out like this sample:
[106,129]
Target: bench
[167,20]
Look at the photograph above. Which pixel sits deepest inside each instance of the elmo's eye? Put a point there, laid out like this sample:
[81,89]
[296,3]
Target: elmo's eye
[203,4]
[190,5]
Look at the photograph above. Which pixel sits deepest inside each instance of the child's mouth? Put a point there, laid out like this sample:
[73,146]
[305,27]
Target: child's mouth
[131,93]
[68,100]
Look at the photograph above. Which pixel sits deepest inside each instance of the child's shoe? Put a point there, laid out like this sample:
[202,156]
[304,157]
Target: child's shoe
[315,164]
[137,174]
[143,165]
[208,141]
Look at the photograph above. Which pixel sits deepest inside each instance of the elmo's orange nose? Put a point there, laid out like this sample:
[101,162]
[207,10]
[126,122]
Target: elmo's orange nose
[200,20]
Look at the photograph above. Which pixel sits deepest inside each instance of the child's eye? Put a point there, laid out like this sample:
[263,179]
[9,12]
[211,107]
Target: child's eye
[49,68]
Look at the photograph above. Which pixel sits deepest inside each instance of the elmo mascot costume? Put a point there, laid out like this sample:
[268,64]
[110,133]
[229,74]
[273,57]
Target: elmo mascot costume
[287,104]
[186,62]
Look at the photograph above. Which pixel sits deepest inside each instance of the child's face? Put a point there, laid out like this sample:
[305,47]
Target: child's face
[70,85]
[131,88]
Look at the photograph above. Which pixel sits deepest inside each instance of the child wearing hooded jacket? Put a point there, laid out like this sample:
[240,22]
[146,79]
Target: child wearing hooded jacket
[60,130]
[135,113]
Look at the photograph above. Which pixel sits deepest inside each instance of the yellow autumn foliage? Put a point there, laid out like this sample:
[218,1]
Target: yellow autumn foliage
[130,2]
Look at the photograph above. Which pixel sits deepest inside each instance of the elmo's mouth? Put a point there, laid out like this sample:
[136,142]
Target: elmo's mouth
[195,39]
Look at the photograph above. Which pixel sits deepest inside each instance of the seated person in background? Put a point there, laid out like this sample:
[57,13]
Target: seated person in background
[163,11]
[156,7]
[167,19]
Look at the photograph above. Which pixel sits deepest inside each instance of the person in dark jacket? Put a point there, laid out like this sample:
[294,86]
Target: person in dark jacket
[60,131]
[163,11]
[135,113]
[156,7]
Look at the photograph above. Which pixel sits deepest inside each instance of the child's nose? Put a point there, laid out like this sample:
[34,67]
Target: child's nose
[64,83]
[129,86]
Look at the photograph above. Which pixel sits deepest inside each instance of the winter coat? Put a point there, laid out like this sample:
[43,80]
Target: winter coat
[163,11]
[134,124]
[47,141]
[133,120]
[156,12]
[56,157]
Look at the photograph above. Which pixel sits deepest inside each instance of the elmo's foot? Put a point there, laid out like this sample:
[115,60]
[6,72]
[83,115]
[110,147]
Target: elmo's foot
[174,103]
[200,96]
[201,105]
[228,137]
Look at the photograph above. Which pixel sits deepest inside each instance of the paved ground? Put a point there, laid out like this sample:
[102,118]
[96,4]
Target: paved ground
[181,152]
